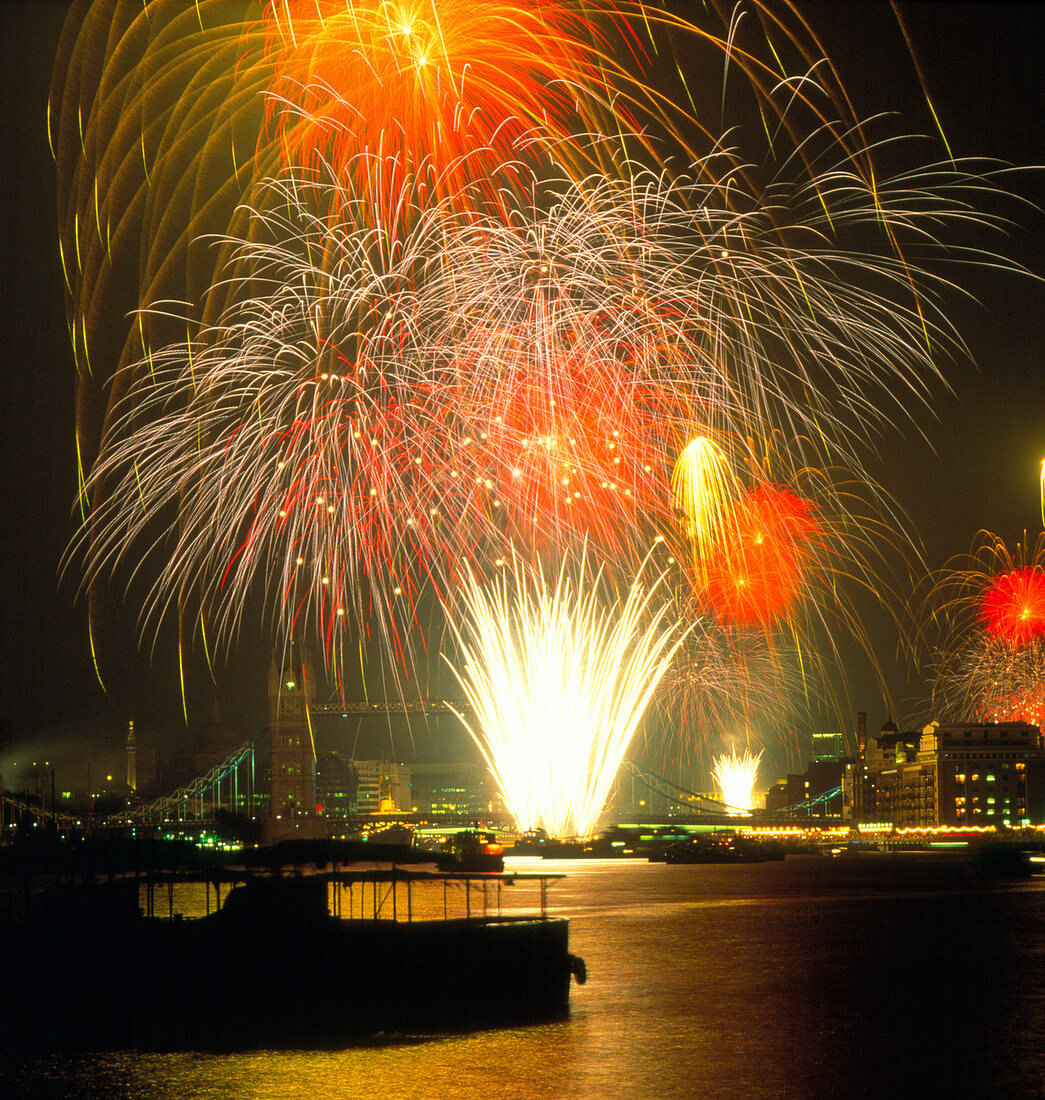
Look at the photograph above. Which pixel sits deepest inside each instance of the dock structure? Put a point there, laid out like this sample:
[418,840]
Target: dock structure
[295,947]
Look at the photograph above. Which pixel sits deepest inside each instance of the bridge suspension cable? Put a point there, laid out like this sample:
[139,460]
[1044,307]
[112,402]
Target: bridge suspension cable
[690,801]
[196,792]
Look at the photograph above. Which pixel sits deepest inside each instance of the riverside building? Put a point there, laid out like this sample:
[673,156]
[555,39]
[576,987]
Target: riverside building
[961,774]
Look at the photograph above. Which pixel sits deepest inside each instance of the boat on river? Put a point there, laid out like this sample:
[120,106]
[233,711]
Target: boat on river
[90,967]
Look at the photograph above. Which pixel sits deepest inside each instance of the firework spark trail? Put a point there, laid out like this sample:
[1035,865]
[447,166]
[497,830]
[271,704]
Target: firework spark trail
[735,775]
[422,84]
[388,401]
[987,679]
[749,307]
[721,679]
[167,117]
[703,484]
[558,683]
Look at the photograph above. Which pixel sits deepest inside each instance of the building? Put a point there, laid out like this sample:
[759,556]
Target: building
[450,790]
[962,774]
[985,774]
[337,784]
[827,746]
[292,772]
[383,787]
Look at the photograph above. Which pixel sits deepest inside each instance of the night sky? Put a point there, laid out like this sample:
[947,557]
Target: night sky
[970,463]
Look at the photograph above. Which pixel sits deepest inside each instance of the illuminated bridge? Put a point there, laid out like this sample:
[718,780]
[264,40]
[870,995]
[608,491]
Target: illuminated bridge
[226,787]
[229,785]
[703,808]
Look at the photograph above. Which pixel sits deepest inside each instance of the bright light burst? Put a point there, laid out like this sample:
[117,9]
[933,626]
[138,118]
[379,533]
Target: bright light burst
[703,484]
[442,299]
[420,84]
[167,118]
[735,775]
[558,683]
[391,401]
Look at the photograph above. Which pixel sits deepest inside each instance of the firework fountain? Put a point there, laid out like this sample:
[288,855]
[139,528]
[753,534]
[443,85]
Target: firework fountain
[735,775]
[558,683]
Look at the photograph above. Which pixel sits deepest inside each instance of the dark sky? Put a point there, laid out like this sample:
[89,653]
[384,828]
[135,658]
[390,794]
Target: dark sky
[977,466]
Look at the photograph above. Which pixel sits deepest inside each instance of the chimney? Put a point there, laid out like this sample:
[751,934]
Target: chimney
[861,733]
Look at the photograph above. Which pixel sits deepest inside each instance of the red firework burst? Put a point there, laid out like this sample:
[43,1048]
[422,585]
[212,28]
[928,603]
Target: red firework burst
[419,83]
[754,574]
[569,440]
[1013,606]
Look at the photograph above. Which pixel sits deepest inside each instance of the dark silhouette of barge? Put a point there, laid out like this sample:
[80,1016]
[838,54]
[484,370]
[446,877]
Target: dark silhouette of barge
[91,968]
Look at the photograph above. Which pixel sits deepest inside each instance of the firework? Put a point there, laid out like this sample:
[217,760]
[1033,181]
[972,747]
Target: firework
[987,679]
[558,683]
[420,86]
[167,118]
[990,664]
[1013,606]
[440,307]
[432,396]
[735,776]
[724,679]
[756,570]
[702,484]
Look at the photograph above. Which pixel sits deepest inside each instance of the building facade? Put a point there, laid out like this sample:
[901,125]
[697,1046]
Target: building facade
[950,775]
[383,787]
[985,774]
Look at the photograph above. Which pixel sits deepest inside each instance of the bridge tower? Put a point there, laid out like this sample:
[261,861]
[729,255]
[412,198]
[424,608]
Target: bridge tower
[291,690]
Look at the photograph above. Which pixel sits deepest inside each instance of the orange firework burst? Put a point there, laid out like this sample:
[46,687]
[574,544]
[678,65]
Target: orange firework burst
[756,570]
[419,84]
[1013,606]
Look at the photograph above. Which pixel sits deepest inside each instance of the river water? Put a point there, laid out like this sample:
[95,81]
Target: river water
[878,976]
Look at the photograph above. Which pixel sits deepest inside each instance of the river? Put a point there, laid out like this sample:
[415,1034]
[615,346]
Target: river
[878,976]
